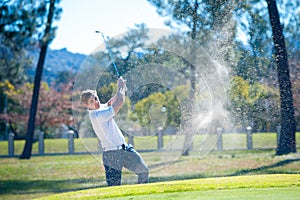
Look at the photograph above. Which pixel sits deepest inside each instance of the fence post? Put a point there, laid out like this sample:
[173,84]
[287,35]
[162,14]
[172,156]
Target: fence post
[11,147]
[41,143]
[160,142]
[249,137]
[219,139]
[71,141]
[278,134]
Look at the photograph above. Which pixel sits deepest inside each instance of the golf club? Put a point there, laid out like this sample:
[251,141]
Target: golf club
[111,57]
[110,53]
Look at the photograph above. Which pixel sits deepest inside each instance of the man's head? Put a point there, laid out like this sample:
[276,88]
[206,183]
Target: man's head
[90,99]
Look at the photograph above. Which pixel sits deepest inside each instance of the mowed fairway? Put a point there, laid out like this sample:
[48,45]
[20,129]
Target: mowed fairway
[276,186]
[215,175]
[236,194]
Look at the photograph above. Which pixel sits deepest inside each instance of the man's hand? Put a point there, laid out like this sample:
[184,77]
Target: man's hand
[119,99]
[120,93]
[121,84]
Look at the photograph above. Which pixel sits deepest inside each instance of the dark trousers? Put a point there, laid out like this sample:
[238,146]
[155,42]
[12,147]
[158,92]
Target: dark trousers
[129,158]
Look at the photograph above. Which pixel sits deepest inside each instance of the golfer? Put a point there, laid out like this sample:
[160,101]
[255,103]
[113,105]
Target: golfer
[116,153]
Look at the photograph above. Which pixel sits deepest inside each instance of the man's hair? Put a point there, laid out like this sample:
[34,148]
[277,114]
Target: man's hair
[86,95]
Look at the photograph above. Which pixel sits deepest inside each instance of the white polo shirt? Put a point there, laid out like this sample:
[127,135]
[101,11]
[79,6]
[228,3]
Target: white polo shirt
[106,128]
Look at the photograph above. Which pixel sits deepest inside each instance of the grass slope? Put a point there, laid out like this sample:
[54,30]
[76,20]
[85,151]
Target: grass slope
[229,194]
[159,190]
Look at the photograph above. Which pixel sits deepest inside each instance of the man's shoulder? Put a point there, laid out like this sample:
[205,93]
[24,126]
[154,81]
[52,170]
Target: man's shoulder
[102,112]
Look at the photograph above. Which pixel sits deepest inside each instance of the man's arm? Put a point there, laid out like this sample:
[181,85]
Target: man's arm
[118,100]
[110,102]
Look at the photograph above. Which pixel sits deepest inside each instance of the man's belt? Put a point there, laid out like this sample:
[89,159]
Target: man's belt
[121,147]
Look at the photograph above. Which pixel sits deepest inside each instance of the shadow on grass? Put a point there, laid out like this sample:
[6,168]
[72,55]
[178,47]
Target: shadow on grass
[45,186]
[163,164]
[264,168]
[58,186]
[258,170]
[176,178]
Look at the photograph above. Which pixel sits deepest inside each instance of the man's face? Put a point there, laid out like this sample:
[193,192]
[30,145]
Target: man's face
[93,103]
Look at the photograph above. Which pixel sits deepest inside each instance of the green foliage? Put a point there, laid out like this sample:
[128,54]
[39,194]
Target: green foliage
[106,92]
[123,49]
[158,102]
[255,54]
[20,29]
[254,63]
[21,21]
[253,104]
[208,23]
[290,18]
[4,86]
[202,16]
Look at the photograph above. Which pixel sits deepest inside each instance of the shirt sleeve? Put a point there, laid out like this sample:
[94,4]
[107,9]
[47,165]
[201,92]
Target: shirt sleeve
[103,114]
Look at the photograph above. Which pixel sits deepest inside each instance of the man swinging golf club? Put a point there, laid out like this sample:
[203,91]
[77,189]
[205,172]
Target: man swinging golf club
[116,153]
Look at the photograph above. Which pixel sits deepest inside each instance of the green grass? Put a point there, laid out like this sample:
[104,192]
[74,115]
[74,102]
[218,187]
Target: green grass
[231,141]
[52,146]
[287,193]
[46,175]
[189,189]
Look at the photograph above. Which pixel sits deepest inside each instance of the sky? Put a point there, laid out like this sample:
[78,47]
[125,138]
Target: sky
[81,18]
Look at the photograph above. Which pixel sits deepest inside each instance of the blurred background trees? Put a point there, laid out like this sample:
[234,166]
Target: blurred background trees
[54,108]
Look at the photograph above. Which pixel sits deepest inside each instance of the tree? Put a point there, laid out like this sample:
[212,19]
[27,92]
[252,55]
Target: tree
[158,110]
[287,140]
[54,107]
[290,18]
[253,104]
[255,49]
[20,26]
[295,78]
[37,80]
[253,61]
[4,86]
[20,23]
[134,39]
[204,20]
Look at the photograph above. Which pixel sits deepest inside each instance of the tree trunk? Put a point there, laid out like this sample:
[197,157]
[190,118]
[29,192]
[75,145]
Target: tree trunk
[37,81]
[188,140]
[287,141]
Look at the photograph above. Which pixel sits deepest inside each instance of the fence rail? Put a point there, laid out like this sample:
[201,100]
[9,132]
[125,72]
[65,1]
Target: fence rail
[70,145]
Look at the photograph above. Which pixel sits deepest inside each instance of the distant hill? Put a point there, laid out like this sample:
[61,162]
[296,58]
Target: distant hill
[57,61]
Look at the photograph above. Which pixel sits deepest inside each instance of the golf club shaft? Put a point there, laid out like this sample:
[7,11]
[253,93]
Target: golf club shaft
[111,57]
[110,53]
